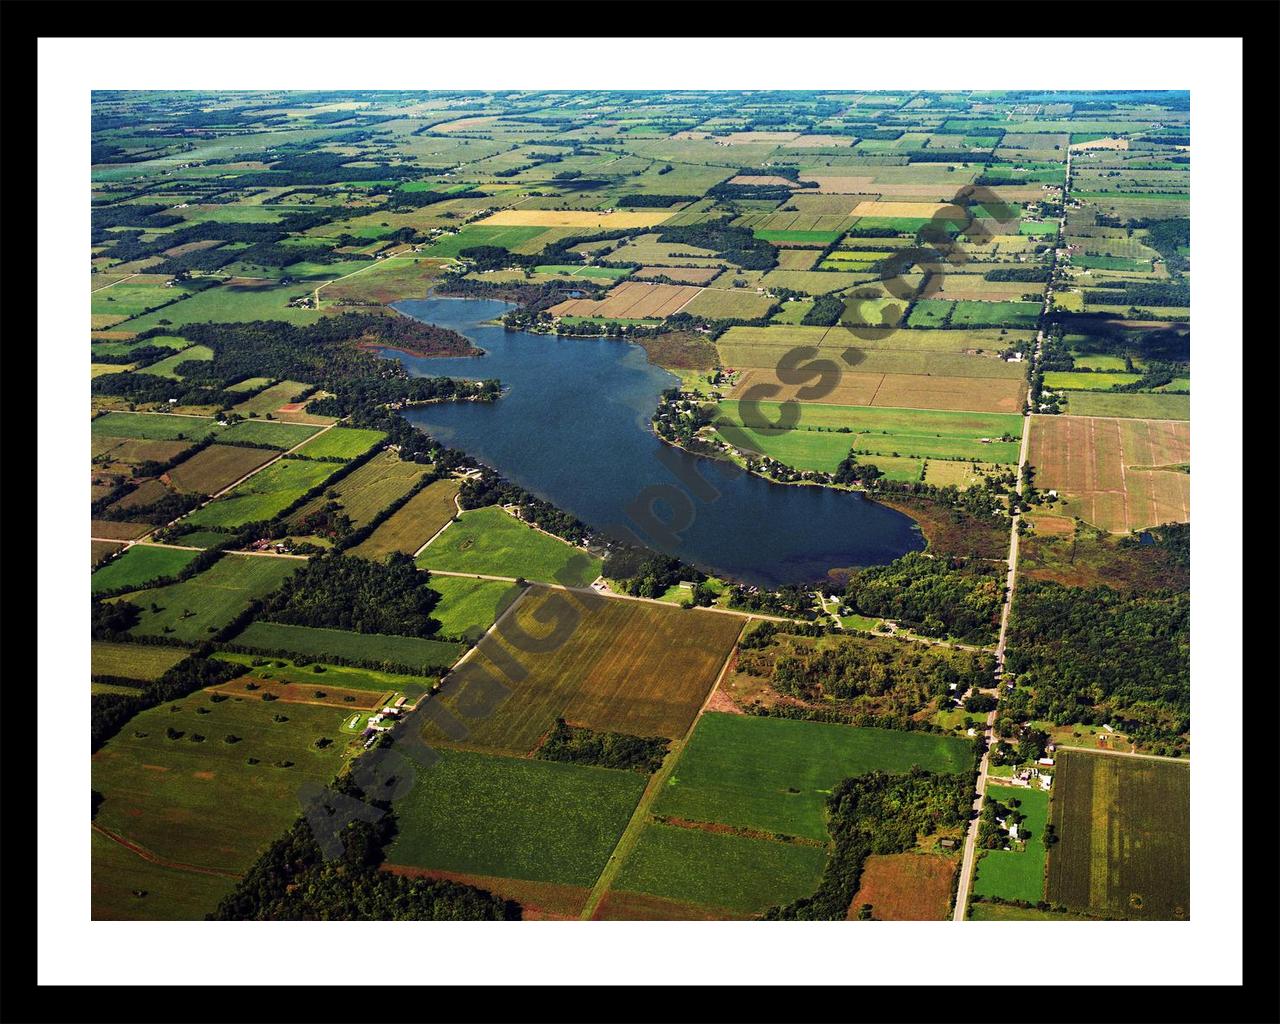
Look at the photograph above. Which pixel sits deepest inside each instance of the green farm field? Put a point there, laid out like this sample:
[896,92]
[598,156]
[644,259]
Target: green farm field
[1016,874]
[271,399]
[269,433]
[153,426]
[919,433]
[1130,406]
[414,523]
[170,893]
[134,296]
[342,443]
[489,541]
[264,495]
[467,606]
[138,566]
[738,874]
[167,367]
[184,799]
[213,598]
[774,774]
[366,491]
[144,662]
[234,303]
[338,677]
[314,642]
[1124,828]
[1074,381]
[473,236]
[493,815]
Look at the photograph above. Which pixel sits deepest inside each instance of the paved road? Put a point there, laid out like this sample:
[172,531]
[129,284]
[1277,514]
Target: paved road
[969,859]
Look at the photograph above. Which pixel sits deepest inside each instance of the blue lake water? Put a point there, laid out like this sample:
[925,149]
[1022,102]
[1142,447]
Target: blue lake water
[573,428]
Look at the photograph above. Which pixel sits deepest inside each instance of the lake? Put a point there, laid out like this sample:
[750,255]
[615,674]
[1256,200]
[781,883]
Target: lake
[573,428]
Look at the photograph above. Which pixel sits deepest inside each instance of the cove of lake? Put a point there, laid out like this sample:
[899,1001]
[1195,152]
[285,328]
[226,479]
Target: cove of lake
[573,428]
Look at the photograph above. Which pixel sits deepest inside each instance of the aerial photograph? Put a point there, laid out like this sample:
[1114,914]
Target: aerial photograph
[639,505]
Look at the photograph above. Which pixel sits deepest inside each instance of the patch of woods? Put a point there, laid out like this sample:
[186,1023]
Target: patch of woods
[938,597]
[736,244]
[870,680]
[878,813]
[1100,656]
[793,601]
[825,312]
[330,353]
[579,745]
[335,591]
[1037,273]
[645,573]
[293,881]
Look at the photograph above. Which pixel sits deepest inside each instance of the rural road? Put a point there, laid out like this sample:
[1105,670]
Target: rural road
[969,860]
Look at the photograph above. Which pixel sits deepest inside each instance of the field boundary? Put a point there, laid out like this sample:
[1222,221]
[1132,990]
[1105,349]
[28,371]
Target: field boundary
[639,818]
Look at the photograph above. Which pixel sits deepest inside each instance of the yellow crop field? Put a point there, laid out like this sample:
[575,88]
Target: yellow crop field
[879,208]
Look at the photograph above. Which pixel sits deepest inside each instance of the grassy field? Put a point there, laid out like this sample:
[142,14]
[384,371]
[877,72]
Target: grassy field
[166,367]
[540,820]
[1016,874]
[196,608]
[312,642]
[489,541]
[774,774]
[1124,827]
[365,492]
[216,467]
[624,666]
[1007,314]
[414,523]
[341,443]
[1067,380]
[468,607]
[140,565]
[1140,406]
[133,661]
[264,495]
[169,894]
[271,399]
[269,433]
[906,887]
[340,677]
[185,799]
[152,426]
[728,303]
[473,236]
[234,302]
[818,443]
[741,875]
